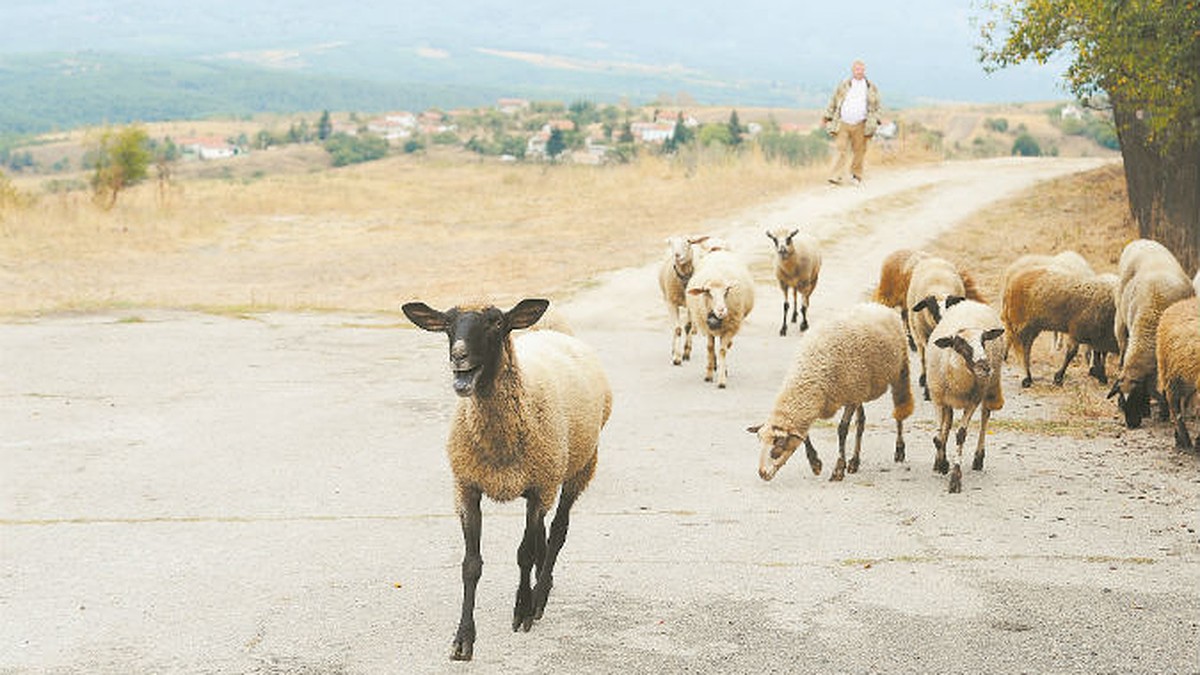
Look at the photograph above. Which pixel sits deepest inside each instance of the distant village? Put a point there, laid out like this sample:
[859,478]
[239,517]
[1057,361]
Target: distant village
[525,127]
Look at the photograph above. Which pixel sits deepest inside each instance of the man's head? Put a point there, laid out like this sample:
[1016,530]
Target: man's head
[859,69]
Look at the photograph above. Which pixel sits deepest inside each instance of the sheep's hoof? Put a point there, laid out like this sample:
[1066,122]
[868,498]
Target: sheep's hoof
[677,361]
[1058,379]
[1183,441]
[783,331]
[941,465]
[815,465]
[523,612]
[852,467]
[464,646]
[804,325]
[899,451]
[839,470]
[1027,382]
[977,465]
[956,480]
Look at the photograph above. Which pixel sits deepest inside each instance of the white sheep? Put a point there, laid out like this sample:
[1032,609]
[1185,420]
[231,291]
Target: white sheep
[1067,262]
[1139,254]
[844,362]
[935,283]
[1178,352]
[676,270]
[720,297]
[1146,295]
[1039,299]
[527,425]
[797,268]
[965,357]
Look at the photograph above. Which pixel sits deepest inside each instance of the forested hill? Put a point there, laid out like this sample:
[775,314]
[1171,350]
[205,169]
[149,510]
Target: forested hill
[46,92]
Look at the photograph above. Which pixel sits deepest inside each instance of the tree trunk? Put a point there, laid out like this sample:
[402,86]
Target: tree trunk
[1163,179]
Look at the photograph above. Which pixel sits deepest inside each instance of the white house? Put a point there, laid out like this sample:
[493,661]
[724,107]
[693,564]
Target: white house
[207,147]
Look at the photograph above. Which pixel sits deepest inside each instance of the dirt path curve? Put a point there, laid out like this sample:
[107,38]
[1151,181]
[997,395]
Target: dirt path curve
[189,493]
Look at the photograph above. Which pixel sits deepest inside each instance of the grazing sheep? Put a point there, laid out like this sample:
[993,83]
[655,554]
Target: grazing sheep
[1139,307]
[1178,351]
[528,423]
[1139,254]
[935,285]
[844,362]
[965,357]
[673,275]
[894,276]
[797,267]
[1041,299]
[720,296]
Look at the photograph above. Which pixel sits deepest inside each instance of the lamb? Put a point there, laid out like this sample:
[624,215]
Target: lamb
[1041,299]
[673,275]
[843,363]
[530,412]
[797,268]
[721,292]
[935,285]
[1178,350]
[965,357]
[1139,307]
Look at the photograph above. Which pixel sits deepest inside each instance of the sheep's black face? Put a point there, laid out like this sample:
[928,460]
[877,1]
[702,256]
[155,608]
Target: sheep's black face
[476,338]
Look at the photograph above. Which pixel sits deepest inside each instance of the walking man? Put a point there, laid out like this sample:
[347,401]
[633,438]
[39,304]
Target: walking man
[852,117]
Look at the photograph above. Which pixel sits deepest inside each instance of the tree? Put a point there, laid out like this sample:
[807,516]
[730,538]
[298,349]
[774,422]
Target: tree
[1144,55]
[345,149]
[556,144]
[735,129]
[1026,146]
[120,159]
[324,127]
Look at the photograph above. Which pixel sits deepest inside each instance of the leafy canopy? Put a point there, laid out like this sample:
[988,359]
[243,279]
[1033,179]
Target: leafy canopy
[1144,54]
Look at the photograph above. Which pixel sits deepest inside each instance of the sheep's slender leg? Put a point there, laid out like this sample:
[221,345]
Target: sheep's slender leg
[814,462]
[558,536]
[783,327]
[687,335]
[860,423]
[472,568]
[677,339]
[1072,350]
[803,312]
[960,438]
[712,360]
[899,456]
[984,414]
[1026,343]
[912,344]
[531,552]
[796,303]
[839,469]
[722,364]
[1177,406]
[945,421]
[1097,369]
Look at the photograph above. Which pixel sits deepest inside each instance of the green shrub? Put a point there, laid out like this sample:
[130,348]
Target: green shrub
[1026,146]
[346,149]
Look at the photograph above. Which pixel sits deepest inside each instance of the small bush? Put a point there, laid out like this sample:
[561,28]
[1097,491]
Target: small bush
[794,149]
[346,149]
[1026,146]
[996,124]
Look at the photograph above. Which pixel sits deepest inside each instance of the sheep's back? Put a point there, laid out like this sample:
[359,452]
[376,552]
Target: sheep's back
[1145,298]
[895,274]
[851,358]
[1178,348]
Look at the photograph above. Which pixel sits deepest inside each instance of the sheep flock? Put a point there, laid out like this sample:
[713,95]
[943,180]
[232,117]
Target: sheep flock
[532,404]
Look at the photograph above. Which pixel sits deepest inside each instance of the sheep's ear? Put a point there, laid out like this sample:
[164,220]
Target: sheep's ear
[944,342]
[425,316]
[794,233]
[923,304]
[696,290]
[772,237]
[526,313]
[952,300]
[754,429]
[992,334]
[698,240]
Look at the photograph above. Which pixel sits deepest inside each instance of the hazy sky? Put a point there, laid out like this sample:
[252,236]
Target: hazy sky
[921,50]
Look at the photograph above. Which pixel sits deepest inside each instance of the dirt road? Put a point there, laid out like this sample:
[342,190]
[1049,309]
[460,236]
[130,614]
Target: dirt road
[192,493]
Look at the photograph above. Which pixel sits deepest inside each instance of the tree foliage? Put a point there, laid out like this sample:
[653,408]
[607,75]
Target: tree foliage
[120,159]
[346,149]
[1145,54]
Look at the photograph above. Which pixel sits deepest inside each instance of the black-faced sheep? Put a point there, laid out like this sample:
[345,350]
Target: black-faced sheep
[528,422]
[894,276]
[1178,353]
[673,275]
[1040,299]
[1138,255]
[1139,307]
[844,362]
[797,268]
[965,358]
[935,284]
[720,296]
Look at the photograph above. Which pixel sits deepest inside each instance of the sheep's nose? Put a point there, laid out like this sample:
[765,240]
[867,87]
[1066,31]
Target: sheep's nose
[458,350]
